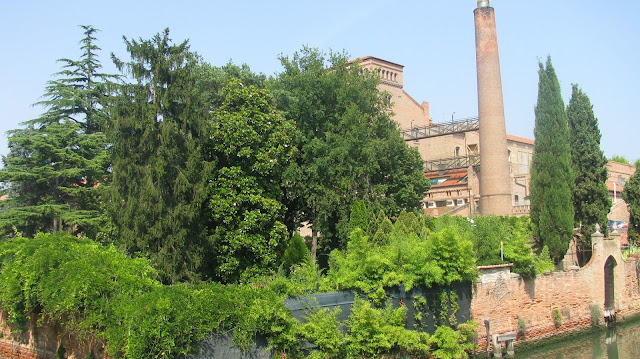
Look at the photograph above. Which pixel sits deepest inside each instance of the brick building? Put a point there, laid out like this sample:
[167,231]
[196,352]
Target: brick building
[451,154]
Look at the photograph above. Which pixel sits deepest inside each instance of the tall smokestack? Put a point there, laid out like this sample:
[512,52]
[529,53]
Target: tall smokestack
[495,185]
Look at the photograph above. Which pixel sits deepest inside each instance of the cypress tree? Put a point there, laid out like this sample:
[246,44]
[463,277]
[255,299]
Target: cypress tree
[58,164]
[591,202]
[552,178]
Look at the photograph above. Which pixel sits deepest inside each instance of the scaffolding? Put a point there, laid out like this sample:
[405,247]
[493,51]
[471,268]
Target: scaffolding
[441,129]
[451,163]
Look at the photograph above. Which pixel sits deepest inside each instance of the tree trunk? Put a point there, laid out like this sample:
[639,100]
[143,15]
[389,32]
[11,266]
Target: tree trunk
[314,243]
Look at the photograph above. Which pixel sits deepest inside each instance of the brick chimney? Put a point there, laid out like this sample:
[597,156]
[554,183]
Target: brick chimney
[495,185]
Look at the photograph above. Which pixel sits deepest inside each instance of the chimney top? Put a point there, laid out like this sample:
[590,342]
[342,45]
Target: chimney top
[483,3]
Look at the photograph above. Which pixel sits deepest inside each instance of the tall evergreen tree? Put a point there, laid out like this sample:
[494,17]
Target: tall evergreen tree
[631,195]
[58,165]
[350,148]
[197,165]
[160,174]
[591,202]
[552,178]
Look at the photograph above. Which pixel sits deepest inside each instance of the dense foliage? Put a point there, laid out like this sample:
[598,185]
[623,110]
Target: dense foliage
[591,202]
[197,166]
[350,148]
[57,165]
[85,287]
[631,195]
[552,178]
[410,254]
[160,175]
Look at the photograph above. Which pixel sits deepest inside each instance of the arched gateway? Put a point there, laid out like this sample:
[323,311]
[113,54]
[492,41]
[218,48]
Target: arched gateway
[609,285]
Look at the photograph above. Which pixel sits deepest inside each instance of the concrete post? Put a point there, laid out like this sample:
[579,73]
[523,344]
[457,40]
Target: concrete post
[495,184]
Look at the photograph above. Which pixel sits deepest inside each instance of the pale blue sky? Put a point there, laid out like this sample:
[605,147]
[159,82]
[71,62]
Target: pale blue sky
[593,43]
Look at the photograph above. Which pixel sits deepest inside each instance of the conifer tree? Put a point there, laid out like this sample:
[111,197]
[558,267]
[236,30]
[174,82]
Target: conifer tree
[631,195]
[552,178]
[160,174]
[591,202]
[58,164]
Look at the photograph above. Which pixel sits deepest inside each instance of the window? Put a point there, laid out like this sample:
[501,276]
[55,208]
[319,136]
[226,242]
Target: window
[524,161]
[450,203]
[516,198]
[621,181]
[472,149]
[460,202]
[437,181]
[431,204]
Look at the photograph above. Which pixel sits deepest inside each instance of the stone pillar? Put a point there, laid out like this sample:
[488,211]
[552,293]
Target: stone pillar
[495,183]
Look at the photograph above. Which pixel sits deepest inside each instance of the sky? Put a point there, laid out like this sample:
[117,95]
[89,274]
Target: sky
[595,44]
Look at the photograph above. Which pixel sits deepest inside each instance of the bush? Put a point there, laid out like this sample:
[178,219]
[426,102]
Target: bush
[89,288]
[373,332]
[412,255]
[543,261]
[296,253]
[447,343]
[522,326]
[596,314]
[557,318]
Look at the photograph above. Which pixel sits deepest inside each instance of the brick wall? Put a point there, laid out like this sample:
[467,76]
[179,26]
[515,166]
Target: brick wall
[502,298]
[37,341]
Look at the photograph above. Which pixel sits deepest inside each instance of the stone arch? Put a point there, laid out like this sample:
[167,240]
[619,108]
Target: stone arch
[609,284]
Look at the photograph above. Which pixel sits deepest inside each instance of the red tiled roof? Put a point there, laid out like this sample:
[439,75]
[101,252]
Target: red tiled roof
[520,139]
[453,177]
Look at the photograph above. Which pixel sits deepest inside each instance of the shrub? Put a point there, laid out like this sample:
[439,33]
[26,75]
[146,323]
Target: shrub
[87,287]
[373,332]
[447,343]
[296,253]
[543,261]
[596,314]
[557,317]
[522,326]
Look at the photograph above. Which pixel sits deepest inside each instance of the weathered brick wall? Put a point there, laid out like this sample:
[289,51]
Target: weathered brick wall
[36,340]
[502,297]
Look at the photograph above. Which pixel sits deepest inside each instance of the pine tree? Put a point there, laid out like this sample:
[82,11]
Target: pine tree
[552,178]
[591,200]
[631,195]
[160,174]
[58,164]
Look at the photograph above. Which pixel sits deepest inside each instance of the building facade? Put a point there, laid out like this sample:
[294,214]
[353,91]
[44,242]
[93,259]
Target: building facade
[451,154]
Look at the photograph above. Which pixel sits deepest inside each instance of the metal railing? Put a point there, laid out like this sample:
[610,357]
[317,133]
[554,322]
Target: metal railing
[451,163]
[441,129]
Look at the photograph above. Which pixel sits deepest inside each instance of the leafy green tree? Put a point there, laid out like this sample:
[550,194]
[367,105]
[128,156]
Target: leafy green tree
[350,148]
[58,164]
[161,176]
[552,178]
[631,195]
[252,144]
[591,202]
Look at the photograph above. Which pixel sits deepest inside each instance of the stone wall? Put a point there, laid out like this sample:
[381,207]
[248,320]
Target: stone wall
[501,298]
